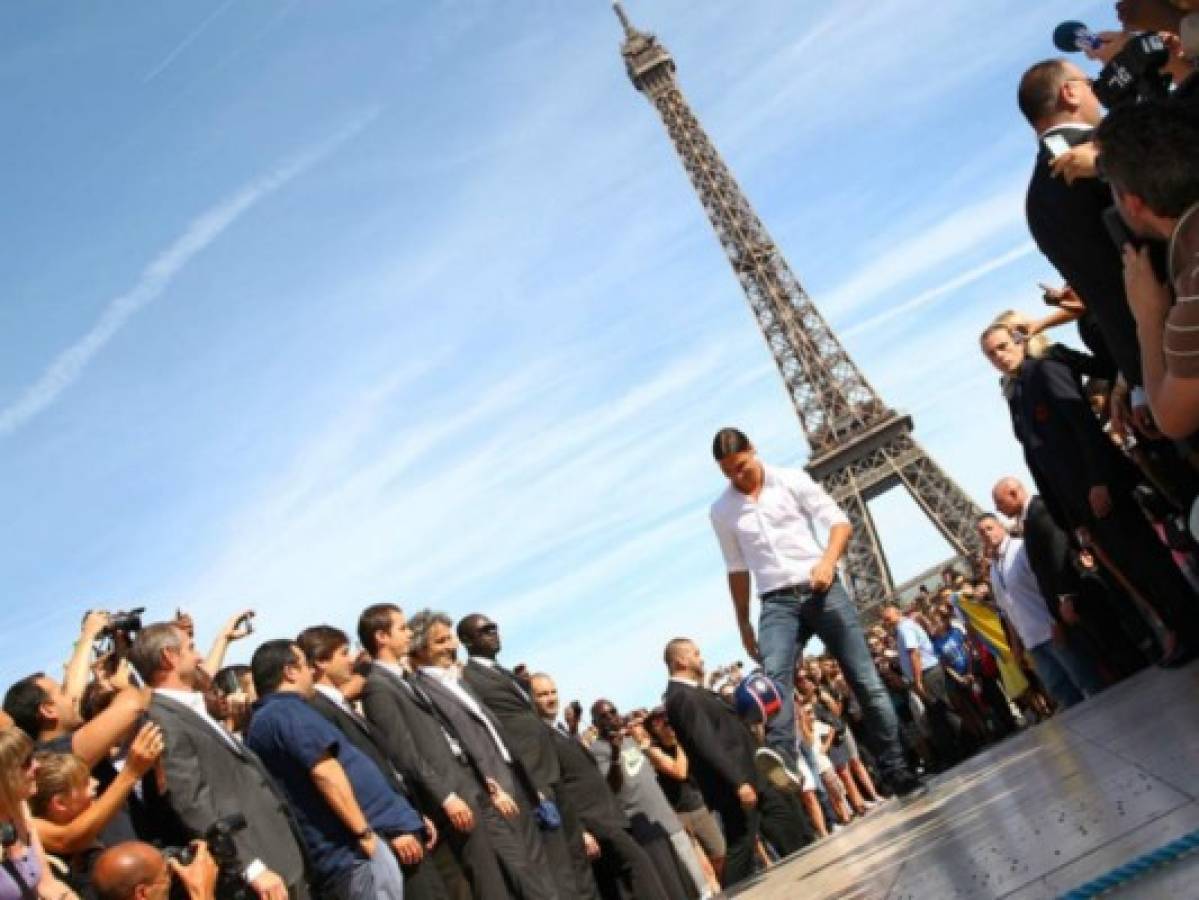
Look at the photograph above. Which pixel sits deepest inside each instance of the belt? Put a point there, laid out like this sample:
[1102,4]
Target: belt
[797,590]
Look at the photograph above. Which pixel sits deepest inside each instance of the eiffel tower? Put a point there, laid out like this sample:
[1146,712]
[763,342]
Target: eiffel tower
[860,447]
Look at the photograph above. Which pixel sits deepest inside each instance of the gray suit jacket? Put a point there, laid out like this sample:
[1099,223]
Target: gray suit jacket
[477,741]
[209,777]
[416,744]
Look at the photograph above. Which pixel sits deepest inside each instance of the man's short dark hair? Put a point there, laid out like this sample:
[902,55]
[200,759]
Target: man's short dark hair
[23,703]
[1151,150]
[1039,89]
[727,442]
[268,663]
[373,620]
[320,642]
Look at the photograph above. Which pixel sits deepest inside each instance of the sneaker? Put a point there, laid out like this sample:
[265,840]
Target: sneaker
[774,769]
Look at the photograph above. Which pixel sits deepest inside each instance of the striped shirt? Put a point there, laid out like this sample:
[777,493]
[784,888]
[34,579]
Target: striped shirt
[1181,344]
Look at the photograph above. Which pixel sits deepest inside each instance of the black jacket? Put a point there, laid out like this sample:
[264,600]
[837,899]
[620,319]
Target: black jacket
[1065,447]
[524,729]
[1049,554]
[584,787]
[716,741]
[1066,221]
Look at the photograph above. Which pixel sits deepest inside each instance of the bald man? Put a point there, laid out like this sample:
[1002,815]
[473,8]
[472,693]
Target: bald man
[137,871]
[1092,615]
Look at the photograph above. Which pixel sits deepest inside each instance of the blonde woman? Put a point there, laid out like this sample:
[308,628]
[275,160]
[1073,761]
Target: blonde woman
[25,873]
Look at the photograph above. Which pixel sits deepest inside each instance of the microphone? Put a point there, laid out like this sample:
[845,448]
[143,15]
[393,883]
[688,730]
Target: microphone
[1070,37]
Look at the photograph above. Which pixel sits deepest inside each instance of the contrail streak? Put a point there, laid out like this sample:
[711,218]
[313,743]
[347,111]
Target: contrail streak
[157,276]
[183,45]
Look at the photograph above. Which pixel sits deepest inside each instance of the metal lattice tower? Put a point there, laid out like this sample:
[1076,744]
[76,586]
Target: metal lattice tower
[860,447]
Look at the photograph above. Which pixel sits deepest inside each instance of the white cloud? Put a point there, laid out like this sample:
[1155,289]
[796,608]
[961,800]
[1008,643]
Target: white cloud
[69,365]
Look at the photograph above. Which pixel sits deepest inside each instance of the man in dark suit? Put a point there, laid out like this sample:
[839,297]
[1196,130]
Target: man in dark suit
[509,817]
[424,750]
[1065,216]
[328,651]
[623,870]
[209,774]
[1092,620]
[508,700]
[721,752]
[1086,483]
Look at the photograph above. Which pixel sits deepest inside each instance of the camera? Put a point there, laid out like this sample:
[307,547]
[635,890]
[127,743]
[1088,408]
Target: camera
[128,622]
[231,883]
[1135,73]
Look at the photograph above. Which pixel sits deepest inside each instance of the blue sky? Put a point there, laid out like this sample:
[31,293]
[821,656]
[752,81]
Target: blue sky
[312,305]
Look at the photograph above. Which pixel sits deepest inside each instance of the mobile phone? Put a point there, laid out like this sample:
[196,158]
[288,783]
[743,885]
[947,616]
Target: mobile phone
[1055,144]
[1118,230]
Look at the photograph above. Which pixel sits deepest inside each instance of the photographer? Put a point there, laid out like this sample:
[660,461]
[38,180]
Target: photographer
[618,753]
[239,626]
[68,817]
[25,872]
[1150,155]
[137,871]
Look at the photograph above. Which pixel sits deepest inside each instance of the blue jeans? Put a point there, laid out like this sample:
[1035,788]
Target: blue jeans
[787,619]
[1067,676]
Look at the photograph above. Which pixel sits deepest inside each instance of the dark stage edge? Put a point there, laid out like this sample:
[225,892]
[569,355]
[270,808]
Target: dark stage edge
[1036,816]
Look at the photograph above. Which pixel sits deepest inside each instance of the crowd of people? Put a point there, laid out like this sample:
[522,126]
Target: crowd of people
[402,769]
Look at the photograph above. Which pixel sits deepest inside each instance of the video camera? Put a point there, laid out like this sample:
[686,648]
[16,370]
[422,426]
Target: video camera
[128,623]
[1132,75]
[1135,73]
[231,882]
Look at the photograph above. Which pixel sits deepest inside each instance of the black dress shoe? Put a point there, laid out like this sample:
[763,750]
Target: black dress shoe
[1181,655]
[905,784]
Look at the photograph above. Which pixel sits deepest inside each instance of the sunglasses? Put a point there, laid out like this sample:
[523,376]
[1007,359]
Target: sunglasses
[489,628]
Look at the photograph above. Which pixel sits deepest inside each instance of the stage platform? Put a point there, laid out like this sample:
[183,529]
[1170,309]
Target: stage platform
[1036,816]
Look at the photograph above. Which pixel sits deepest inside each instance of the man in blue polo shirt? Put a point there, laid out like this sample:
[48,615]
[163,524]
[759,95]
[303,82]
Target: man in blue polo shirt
[353,820]
[922,670]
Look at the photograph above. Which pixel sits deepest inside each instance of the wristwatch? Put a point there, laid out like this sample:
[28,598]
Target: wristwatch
[364,833]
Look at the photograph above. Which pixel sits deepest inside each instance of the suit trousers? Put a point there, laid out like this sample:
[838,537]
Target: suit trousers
[571,843]
[477,859]
[521,853]
[1128,539]
[741,828]
[624,871]
[423,881]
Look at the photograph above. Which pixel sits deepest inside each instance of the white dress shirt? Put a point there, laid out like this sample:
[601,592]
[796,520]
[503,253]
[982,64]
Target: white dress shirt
[1018,594]
[774,537]
[448,678]
[194,701]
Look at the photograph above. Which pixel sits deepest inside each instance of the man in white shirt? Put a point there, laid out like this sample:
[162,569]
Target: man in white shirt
[766,522]
[1067,676]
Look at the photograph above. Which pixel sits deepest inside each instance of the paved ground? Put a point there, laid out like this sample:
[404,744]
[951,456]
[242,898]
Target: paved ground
[1034,817]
